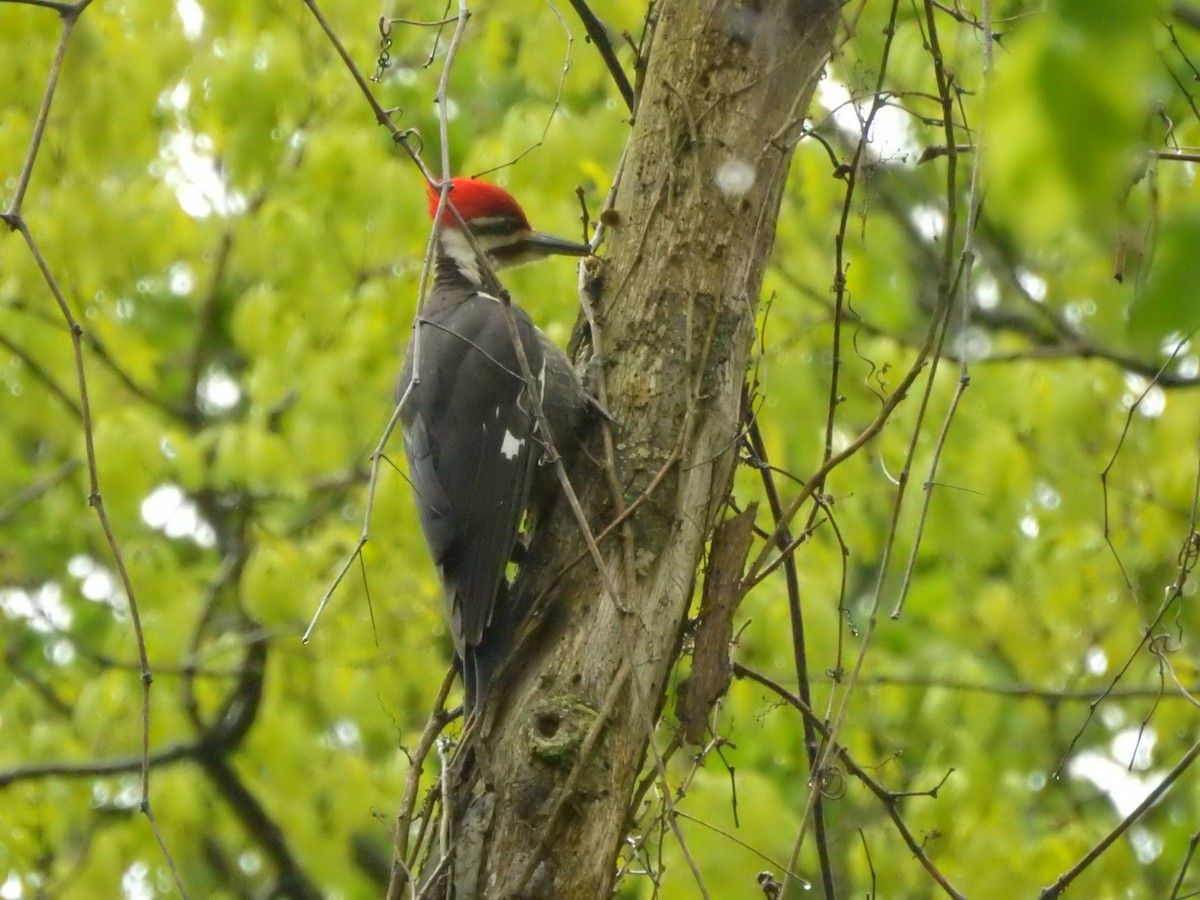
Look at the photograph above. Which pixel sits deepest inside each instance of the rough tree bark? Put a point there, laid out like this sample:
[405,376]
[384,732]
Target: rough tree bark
[542,795]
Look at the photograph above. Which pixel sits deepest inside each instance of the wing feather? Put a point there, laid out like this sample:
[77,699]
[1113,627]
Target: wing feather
[469,440]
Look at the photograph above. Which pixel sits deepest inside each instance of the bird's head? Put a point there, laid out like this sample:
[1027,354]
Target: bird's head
[498,224]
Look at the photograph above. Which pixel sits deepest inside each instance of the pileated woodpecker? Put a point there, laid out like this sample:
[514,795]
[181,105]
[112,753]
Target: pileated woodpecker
[470,432]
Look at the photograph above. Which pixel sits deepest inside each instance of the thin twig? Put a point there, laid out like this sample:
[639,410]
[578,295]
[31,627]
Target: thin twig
[382,116]
[37,489]
[96,501]
[888,798]
[1187,559]
[364,534]
[1064,880]
[1050,696]
[781,538]
[59,7]
[206,324]
[39,372]
[558,95]
[949,278]
[70,15]
[967,257]
[97,769]
[799,644]
[598,35]
[412,782]
[1187,861]
[745,846]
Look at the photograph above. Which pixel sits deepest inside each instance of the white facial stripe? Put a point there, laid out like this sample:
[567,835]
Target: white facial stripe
[493,241]
[455,245]
[511,446]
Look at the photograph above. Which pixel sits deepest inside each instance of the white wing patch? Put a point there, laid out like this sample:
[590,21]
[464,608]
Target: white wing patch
[512,445]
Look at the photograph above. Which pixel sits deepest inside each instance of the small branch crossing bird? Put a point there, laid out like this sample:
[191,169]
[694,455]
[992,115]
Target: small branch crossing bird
[471,435]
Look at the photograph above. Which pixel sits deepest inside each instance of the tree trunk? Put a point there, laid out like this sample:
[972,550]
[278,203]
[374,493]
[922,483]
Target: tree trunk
[542,798]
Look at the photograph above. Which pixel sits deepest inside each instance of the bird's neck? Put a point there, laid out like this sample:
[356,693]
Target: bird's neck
[456,260]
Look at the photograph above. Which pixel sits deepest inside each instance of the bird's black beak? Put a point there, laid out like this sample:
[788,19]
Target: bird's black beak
[543,244]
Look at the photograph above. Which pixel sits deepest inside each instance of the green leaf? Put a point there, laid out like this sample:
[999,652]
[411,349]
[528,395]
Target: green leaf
[1170,304]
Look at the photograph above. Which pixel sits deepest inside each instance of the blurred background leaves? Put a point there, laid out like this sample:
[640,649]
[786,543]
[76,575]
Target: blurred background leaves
[242,246]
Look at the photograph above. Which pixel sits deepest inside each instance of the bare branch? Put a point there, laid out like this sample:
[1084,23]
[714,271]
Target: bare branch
[598,35]
[888,798]
[1064,881]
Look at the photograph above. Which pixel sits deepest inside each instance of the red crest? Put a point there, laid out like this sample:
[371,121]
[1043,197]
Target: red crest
[475,199]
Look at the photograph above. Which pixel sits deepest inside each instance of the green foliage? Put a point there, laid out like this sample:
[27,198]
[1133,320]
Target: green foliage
[242,247]
[1168,307]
